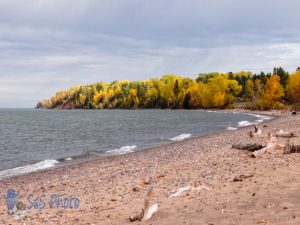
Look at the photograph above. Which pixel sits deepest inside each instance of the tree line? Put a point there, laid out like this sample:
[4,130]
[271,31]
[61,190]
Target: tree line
[208,90]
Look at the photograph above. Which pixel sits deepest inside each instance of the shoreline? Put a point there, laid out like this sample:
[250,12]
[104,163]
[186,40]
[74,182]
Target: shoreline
[84,158]
[113,189]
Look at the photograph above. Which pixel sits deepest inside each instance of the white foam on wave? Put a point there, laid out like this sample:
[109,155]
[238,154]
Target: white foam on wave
[215,111]
[231,128]
[48,163]
[122,150]
[251,114]
[68,159]
[244,123]
[263,117]
[180,137]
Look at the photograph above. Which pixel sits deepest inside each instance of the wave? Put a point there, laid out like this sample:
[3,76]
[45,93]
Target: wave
[64,159]
[259,121]
[231,128]
[48,163]
[122,150]
[216,111]
[244,123]
[180,137]
[263,117]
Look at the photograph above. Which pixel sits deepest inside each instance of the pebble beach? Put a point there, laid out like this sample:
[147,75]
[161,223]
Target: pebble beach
[192,181]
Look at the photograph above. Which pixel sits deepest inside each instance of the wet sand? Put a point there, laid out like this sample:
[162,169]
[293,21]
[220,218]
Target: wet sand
[113,189]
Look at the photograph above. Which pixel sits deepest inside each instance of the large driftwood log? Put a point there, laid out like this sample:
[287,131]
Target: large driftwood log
[248,146]
[256,148]
[271,144]
[284,134]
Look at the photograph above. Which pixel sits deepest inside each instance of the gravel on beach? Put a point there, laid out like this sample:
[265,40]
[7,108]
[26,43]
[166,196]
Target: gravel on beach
[266,189]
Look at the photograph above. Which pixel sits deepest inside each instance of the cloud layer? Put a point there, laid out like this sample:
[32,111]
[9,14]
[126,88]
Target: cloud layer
[47,45]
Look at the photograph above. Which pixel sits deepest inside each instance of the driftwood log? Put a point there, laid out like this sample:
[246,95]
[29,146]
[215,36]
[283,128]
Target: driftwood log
[248,146]
[284,134]
[148,210]
[257,148]
[241,177]
[291,148]
[271,144]
[260,152]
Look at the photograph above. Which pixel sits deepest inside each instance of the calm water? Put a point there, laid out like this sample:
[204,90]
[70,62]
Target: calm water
[29,136]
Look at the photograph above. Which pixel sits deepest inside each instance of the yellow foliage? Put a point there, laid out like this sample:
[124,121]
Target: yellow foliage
[219,92]
[97,98]
[293,87]
[133,92]
[219,99]
[250,90]
[170,91]
[82,98]
[273,92]
[195,92]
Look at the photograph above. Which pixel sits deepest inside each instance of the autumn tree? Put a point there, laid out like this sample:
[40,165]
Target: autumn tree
[273,93]
[293,87]
[209,90]
[250,92]
[219,92]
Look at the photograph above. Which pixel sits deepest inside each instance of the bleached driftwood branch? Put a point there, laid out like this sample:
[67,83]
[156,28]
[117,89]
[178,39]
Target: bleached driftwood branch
[148,210]
[270,145]
[178,192]
[284,134]
[257,131]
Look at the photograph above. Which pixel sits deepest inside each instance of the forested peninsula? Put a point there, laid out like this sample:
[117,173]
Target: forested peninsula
[262,91]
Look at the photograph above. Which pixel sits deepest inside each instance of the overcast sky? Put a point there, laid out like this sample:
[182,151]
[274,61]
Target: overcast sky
[51,45]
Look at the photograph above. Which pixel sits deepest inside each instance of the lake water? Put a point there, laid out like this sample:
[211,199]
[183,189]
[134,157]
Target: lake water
[35,139]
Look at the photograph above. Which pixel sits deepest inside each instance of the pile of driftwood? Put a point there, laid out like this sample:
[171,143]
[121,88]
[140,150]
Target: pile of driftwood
[291,148]
[258,148]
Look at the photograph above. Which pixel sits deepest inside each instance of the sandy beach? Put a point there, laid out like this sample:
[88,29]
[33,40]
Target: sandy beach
[202,169]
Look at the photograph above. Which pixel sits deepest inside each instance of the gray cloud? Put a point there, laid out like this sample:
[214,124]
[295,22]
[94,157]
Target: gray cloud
[46,46]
